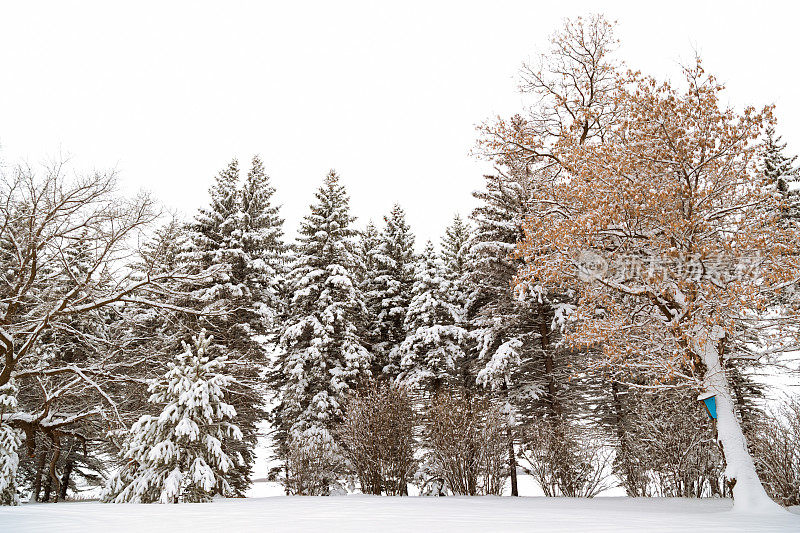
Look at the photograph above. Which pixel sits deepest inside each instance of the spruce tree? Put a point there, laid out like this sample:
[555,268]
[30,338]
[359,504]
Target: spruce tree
[517,329]
[393,280]
[262,242]
[9,444]
[433,350]
[781,172]
[510,331]
[216,237]
[322,356]
[238,239]
[369,243]
[179,456]
[455,249]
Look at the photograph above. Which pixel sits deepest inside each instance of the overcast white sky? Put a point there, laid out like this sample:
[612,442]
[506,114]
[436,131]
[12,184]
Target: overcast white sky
[388,95]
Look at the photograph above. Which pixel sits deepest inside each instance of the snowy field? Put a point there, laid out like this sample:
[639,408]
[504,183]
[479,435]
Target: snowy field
[410,515]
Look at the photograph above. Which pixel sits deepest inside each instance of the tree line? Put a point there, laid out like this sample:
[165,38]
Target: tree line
[635,246]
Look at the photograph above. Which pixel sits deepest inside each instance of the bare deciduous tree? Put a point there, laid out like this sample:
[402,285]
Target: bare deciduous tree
[66,244]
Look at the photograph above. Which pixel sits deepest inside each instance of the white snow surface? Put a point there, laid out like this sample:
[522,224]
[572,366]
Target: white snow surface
[409,515]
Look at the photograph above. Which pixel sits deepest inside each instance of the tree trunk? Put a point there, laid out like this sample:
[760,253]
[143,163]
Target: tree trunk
[549,365]
[65,480]
[631,476]
[748,492]
[512,463]
[47,488]
[37,480]
[56,442]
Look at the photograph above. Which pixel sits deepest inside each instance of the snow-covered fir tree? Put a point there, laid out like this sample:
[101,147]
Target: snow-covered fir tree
[511,331]
[179,455]
[217,236]
[9,444]
[237,238]
[517,329]
[781,173]
[394,276]
[454,247]
[433,351]
[322,356]
[262,242]
[455,251]
[150,333]
[368,247]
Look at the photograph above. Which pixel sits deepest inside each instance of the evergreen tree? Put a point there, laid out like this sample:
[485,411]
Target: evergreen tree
[216,238]
[178,456]
[238,239]
[262,242]
[368,248]
[511,331]
[393,280]
[155,335]
[322,353]
[433,350]
[781,173]
[517,329]
[455,249]
[9,443]
[777,166]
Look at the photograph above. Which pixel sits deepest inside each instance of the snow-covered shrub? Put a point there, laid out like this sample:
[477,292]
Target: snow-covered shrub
[378,441]
[465,437]
[9,443]
[671,444]
[777,453]
[314,464]
[566,460]
[177,456]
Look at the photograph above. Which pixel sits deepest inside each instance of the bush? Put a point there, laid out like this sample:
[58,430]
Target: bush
[378,441]
[565,461]
[465,437]
[671,442]
[776,450]
[314,464]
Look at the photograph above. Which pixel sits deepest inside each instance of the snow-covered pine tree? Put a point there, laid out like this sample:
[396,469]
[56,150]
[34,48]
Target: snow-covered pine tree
[226,240]
[322,356]
[178,455]
[262,242]
[433,351]
[368,247]
[779,168]
[9,443]
[455,252]
[454,247]
[517,334]
[393,280]
[151,334]
[216,235]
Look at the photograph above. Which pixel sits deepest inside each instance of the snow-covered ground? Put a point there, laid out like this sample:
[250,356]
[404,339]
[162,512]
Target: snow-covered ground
[379,514]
